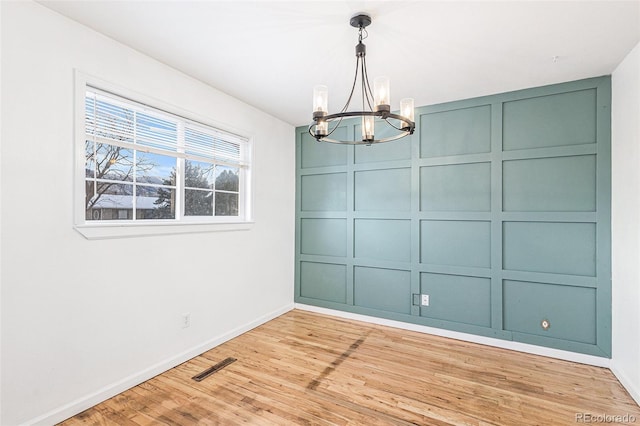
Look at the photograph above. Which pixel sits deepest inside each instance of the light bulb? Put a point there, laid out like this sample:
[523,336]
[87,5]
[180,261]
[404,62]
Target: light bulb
[407,109]
[320,99]
[381,91]
[322,128]
[368,128]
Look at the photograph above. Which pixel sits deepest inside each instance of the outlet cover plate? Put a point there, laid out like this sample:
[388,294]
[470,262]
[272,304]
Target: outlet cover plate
[424,300]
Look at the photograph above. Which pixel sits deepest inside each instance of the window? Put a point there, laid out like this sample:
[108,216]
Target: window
[143,165]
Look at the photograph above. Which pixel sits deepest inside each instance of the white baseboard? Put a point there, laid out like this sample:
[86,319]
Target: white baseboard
[489,341]
[79,405]
[627,383]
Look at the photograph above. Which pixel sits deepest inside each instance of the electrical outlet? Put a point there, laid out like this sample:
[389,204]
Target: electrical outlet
[424,300]
[186,320]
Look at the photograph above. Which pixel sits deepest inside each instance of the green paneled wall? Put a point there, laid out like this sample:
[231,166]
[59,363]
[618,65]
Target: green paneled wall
[498,208]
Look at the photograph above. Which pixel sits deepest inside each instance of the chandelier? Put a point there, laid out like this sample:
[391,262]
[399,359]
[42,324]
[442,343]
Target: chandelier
[376,106]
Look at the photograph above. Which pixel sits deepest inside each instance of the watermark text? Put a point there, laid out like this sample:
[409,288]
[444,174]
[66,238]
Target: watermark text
[605,418]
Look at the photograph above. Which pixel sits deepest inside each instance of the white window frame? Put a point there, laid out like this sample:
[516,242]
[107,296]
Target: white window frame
[98,229]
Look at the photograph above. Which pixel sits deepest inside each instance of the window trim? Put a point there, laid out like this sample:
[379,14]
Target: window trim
[116,229]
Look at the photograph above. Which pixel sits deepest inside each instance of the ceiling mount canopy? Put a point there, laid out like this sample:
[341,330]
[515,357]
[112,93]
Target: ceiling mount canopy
[376,105]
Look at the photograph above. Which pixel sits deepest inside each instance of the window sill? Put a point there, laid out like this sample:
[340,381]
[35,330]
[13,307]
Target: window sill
[108,231]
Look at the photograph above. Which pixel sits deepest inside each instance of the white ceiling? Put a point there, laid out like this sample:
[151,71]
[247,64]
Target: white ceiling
[270,54]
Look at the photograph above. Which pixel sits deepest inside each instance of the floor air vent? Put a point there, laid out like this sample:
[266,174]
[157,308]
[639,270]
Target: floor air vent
[209,371]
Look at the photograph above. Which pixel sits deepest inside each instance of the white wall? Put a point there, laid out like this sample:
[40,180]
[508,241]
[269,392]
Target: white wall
[1,97]
[82,320]
[625,210]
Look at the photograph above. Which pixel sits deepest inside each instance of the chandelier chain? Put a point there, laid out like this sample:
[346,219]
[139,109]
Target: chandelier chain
[360,31]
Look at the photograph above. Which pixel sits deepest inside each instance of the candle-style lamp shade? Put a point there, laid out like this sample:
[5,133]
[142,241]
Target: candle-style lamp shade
[368,129]
[320,99]
[322,129]
[407,110]
[381,95]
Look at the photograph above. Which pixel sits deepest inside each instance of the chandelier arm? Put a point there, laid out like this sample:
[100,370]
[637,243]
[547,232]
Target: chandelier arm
[369,92]
[335,127]
[375,141]
[411,125]
[391,124]
[353,87]
[328,118]
[362,88]
[328,134]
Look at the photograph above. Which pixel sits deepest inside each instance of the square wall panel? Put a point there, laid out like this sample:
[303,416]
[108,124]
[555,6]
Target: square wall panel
[396,150]
[551,247]
[570,312]
[324,237]
[326,192]
[457,298]
[456,187]
[323,281]
[550,184]
[322,154]
[455,242]
[553,120]
[384,289]
[456,132]
[386,189]
[387,239]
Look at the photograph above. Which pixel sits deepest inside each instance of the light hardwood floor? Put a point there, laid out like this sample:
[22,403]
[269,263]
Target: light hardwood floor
[305,368]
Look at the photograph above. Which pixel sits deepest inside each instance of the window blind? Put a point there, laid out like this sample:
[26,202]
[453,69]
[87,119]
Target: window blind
[118,121]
